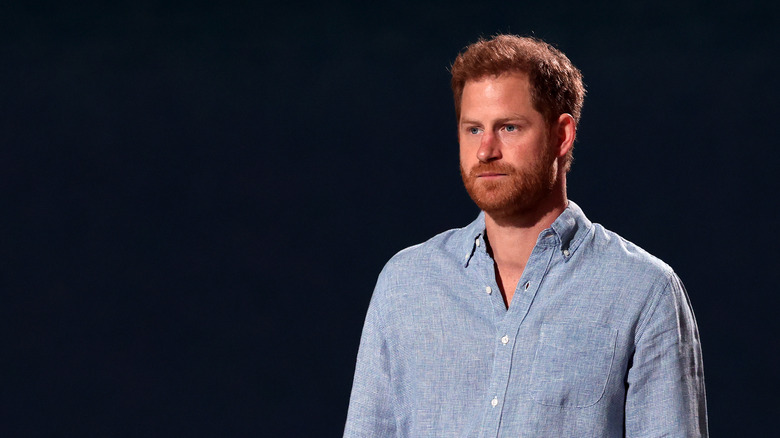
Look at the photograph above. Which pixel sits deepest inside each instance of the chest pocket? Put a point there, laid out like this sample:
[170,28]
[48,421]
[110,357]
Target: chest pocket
[572,364]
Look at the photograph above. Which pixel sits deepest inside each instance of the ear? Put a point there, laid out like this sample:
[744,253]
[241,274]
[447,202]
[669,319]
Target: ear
[565,132]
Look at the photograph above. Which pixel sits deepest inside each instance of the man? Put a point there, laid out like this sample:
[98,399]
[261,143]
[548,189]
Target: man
[532,320]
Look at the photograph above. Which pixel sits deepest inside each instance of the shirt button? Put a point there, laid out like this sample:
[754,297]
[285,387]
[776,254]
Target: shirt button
[488,290]
[566,252]
[494,402]
[477,242]
[505,339]
[527,285]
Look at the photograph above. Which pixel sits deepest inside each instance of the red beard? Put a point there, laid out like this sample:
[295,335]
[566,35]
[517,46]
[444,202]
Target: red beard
[519,191]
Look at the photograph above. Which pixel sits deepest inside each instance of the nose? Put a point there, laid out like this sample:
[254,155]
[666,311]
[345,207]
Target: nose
[489,148]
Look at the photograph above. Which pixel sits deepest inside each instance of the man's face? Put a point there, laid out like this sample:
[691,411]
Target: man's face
[506,160]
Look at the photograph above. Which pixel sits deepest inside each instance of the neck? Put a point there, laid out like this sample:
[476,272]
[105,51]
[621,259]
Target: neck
[512,237]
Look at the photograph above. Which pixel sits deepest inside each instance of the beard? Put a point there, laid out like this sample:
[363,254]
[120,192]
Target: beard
[520,191]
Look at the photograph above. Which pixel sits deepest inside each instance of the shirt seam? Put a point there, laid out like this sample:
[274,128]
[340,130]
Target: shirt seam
[654,306]
[382,327]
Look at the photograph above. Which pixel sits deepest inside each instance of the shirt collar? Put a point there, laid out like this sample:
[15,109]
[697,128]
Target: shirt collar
[567,232]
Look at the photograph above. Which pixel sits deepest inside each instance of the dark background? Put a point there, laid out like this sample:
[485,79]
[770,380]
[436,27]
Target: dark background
[197,198]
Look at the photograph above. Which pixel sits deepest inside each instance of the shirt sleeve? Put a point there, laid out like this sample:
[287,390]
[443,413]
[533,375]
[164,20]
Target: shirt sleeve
[371,412]
[665,394]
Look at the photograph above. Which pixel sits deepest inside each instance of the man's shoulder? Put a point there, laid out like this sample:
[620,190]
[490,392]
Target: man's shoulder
[439,248]
[605,253]
[625,257]
[441,255]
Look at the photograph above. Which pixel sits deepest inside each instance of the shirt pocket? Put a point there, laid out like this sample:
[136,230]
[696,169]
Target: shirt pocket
[572,364]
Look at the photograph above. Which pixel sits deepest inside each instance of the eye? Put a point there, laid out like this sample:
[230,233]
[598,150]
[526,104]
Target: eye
[510,128]
[473,130]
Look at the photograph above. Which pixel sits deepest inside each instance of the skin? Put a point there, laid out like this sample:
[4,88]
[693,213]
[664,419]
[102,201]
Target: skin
[512,164]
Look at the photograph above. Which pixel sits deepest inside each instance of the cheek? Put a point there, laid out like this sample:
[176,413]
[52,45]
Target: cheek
[468,158]
[469,145]
[463,151]
[464,164]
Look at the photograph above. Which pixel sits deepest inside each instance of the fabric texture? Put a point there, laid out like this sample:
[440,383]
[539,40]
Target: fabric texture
[599,341]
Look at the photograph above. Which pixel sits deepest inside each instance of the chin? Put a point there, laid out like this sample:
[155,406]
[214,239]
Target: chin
[507,203]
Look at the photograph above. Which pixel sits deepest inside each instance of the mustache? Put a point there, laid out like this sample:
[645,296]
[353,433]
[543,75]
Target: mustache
[492,167]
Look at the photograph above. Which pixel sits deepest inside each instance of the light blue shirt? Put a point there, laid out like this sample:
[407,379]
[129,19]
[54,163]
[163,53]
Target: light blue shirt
[599,341]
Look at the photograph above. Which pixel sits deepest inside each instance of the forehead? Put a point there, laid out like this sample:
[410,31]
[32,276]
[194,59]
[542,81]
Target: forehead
[508,90]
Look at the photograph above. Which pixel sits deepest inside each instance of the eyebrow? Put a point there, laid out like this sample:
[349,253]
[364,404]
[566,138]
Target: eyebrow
[513,118]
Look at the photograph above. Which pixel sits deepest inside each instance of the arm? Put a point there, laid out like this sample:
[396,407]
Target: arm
[665,395]
[370,405]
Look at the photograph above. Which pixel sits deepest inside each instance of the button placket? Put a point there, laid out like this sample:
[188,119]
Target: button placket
[506,332]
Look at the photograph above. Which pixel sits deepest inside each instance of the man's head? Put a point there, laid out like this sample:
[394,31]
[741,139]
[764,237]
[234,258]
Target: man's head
[556,85]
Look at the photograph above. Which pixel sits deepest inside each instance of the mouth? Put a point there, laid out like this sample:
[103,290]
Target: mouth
[490,175]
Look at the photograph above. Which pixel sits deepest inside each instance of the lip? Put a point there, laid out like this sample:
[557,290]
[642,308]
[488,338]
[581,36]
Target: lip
[490,175]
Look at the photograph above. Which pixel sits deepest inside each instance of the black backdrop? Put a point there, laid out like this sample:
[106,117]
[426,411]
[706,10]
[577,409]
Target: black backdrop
[197,197]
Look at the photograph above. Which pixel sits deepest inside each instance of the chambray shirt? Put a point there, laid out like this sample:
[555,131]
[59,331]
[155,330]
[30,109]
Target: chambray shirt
[599,341]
